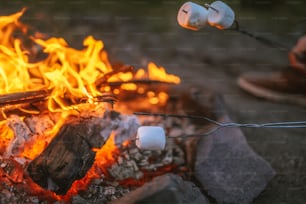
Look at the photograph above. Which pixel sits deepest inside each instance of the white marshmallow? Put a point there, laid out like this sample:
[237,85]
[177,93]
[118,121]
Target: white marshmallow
[150,138]
[220,15]
[192,16]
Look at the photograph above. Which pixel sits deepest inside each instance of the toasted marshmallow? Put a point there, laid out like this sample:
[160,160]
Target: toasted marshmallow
[220,15]
[192,16]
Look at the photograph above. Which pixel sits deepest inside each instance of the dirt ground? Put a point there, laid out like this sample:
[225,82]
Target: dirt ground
[137,32]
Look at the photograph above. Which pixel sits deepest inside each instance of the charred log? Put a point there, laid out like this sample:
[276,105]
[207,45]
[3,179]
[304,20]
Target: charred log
[23,97]
[146,82]
[34,102]
[69,155]
[117,69]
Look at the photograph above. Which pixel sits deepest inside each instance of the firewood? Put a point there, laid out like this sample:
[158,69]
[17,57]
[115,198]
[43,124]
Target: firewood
[35,100]
[23,97]
[69,155]
[138,82]
[117,69]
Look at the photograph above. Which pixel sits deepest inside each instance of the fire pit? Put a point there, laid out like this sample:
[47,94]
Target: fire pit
[68,131]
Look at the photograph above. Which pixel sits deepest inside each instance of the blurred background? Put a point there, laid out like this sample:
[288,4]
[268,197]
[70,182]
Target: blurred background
[123,24]
[137,32]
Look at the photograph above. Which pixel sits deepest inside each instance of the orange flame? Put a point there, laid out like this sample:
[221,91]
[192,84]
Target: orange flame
[6,136]
[68,74]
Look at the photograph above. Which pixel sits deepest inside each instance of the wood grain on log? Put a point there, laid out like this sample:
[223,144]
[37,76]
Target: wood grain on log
[69,155]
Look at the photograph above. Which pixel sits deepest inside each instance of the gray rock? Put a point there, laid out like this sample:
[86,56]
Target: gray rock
[165,189]
[228,169]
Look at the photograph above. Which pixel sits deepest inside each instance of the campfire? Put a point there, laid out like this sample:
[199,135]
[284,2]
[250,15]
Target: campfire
[68,132]
[39,96]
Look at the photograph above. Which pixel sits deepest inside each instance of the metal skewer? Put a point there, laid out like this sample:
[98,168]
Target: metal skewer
[289,124]
[237,28]
[209,6]
[261,39]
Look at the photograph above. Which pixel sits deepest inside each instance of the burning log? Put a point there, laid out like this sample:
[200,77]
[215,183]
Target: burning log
[70,154]
[23,97]
[11,103]
[122,69]
[138,82]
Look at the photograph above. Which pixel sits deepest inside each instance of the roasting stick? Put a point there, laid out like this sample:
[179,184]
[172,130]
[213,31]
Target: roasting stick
[261,39]
[149,138]
[289,124]
[217,14]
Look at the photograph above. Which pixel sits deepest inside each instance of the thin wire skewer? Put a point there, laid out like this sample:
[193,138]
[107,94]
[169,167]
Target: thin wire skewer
[289,124]
[211,7]
[266,41]
[179,116]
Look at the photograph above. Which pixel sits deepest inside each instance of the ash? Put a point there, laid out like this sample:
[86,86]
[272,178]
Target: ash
[132,169]
[135,167]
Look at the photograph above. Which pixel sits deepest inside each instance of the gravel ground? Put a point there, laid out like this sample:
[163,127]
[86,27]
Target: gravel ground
[137,32]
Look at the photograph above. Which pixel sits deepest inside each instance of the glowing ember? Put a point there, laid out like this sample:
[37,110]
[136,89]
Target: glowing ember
[6,136]
[70,76]
[104,158]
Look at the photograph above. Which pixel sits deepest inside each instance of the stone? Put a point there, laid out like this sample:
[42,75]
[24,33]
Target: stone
[168,188]
[228,169]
